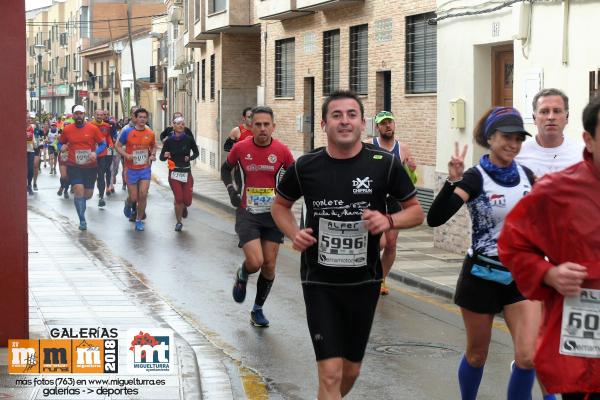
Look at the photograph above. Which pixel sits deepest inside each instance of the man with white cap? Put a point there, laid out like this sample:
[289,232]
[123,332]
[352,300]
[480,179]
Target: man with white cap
[84,142]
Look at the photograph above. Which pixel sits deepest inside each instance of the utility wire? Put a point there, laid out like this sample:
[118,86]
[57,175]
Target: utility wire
[433,21]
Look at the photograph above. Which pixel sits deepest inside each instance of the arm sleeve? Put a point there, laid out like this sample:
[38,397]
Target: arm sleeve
[164,149]
[400,186]
[123,137]
[164,134]
[447,203]
[228,144]
[520,245]
[289,187]
[226,169]
[101,147]
[195,151]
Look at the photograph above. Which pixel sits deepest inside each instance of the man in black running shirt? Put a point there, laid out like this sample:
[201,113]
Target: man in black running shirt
[344,185]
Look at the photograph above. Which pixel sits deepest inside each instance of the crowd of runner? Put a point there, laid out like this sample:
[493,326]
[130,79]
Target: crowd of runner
[533,202]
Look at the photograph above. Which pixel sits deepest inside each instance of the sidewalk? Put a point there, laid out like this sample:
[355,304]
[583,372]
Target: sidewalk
[71,287]
[418,263]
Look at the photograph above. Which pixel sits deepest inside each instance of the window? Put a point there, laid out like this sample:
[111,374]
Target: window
[359,59]
[84,28]
[185,15]
[203,79]
[331,61]
[421,57]
[284,67]
[215,6]
[196,10]
[212,77]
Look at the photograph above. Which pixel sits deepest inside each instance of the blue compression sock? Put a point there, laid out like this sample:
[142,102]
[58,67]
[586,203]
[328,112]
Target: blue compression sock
[80,205]
[520,383]
[549,397]
[469,379]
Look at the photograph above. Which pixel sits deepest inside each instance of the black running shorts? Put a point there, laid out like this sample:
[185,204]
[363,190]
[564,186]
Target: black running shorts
[82,176]
[483,296]
[340,319]
[250,226]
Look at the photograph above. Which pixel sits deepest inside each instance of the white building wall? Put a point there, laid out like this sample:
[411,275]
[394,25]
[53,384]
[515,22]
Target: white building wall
[465,71]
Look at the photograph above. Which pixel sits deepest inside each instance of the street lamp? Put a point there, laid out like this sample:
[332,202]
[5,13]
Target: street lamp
[112,68]
[38,50]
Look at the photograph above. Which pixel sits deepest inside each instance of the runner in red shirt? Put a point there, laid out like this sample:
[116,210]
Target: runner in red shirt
[241,132]
[84,142]
[105,157]
[263,161]
[138,147]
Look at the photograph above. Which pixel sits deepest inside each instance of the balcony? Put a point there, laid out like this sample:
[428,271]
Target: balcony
[229,17]
[279,10]
[320,5]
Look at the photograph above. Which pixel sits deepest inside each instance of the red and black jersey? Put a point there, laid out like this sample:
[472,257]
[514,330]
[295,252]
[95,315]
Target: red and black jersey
[262,167]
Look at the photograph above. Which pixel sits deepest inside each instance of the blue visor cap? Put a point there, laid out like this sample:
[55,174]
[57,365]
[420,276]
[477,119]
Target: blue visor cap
[504,119]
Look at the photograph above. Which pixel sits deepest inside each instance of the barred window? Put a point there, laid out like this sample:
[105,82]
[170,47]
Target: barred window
[284,67]
[359,59]
[331,61]
[421,54]
[212,77]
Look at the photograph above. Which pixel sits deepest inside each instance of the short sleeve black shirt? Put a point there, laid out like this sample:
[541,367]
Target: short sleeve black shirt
[336,192]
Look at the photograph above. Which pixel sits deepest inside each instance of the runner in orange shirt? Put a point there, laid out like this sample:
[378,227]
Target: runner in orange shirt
[84,142]
[138,148]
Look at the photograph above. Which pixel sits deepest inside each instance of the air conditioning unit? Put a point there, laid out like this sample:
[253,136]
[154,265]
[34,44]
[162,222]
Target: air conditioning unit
[175,14]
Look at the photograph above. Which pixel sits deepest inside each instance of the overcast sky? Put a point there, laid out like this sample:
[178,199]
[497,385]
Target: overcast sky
[31,4]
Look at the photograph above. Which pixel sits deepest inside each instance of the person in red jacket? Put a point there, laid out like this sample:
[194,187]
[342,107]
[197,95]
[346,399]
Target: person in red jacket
[551,244]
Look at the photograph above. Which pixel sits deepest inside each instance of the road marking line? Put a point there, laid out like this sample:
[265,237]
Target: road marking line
[499,325]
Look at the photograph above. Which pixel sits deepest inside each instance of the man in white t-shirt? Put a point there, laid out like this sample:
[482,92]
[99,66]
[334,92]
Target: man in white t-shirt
[550,151]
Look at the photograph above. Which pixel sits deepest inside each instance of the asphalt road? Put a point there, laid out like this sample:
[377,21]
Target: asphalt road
[416,342]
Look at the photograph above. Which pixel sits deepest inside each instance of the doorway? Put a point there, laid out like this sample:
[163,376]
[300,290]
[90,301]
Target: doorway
[502,75]
[384,91]
[309,114]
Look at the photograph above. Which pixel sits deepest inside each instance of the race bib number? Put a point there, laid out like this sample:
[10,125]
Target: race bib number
[342,243]
[259,200]
[179,176]
[140,157]
[580,330]
[82,157]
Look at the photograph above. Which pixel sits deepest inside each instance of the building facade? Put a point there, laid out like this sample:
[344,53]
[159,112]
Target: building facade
[504,57]
[65,29]
[383,50]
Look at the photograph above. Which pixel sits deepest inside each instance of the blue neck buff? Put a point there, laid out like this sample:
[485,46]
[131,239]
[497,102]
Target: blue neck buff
[507,176]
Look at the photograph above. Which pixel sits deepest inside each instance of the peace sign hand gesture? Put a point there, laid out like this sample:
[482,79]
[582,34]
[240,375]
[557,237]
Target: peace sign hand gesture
[456,166]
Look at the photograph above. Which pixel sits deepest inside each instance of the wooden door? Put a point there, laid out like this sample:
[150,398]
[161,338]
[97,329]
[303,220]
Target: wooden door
[502,76]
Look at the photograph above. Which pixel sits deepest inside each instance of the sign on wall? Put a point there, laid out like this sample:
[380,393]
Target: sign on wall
[534,82]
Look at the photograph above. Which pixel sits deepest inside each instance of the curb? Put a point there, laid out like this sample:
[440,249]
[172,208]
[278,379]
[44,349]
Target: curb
[422,283]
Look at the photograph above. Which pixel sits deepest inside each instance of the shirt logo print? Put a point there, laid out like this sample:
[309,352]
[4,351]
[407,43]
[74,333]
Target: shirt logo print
[362,186]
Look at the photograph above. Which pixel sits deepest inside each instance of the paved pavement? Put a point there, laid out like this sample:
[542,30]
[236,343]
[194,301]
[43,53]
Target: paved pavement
[71,287]
[418,262]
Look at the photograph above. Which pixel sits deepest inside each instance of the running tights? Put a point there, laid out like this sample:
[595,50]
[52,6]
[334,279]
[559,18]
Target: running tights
[30,157]
[104,174]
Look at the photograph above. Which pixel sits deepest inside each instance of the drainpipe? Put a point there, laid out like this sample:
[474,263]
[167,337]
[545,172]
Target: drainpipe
[565,47]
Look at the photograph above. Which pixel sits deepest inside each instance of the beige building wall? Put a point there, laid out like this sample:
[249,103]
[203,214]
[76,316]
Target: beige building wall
[237,75]
[416,114]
